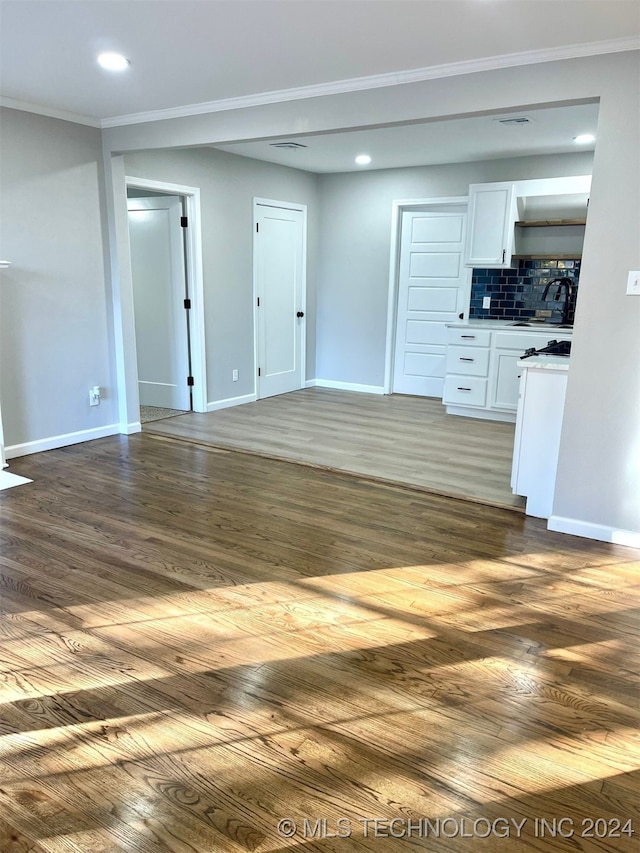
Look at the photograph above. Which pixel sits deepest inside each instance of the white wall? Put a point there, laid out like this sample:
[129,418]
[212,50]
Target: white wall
[55,313]
[598,481]
[355,231]
[228,184]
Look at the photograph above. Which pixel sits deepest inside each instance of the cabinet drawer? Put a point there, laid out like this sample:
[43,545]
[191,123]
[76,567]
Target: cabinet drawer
[471,361]
[465,390]
[470,337]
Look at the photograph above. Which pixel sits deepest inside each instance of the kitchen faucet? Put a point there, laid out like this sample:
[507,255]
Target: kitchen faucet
[567,285]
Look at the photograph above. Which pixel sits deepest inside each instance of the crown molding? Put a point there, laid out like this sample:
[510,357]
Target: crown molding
[379,81]
[354,84]
[63,115]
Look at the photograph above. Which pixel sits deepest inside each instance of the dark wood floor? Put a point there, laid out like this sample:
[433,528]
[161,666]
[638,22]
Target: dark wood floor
[198,644]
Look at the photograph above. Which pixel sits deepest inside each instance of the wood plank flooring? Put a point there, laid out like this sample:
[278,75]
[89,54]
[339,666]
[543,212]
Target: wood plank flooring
[197,644]
[399,439]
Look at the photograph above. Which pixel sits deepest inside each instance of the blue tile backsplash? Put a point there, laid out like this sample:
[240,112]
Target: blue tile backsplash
[516,294]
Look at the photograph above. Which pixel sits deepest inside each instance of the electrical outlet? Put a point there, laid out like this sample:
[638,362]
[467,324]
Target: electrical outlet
[633,283]
[94,396]
[486,302]
[544,312]
[234,375]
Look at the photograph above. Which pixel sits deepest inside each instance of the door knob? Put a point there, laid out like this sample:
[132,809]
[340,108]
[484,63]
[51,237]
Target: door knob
[300,314]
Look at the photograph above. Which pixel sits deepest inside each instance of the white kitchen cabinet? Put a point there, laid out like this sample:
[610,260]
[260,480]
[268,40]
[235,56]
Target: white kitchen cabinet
[484,365]
[467,367]
[506,378]
[506,364]
[538,428]
[491,225]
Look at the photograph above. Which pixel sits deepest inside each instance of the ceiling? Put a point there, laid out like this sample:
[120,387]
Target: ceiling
[548,131]
[184,53]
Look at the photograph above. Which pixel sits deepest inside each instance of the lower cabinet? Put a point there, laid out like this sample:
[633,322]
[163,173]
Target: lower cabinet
[483,369]
[507,372]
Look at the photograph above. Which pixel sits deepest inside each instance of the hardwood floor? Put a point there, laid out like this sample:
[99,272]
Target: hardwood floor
[399,439]
[189,658]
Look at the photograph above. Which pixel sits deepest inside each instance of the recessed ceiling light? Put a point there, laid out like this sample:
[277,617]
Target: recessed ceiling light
[113,61]
[584,139]
[363,159]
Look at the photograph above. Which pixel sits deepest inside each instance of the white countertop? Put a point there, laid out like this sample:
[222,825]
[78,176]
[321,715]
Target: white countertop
[546,362]
[504,325]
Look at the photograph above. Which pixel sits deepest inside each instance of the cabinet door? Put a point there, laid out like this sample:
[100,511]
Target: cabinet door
[492,217]
[507,368]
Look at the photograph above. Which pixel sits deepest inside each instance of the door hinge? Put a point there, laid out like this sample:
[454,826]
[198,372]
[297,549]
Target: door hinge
[187,304]
[190,381]
[259,372]
[184,221]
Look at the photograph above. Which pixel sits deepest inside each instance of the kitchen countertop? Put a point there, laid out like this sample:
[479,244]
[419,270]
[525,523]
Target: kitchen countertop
[546,362]
[505,325]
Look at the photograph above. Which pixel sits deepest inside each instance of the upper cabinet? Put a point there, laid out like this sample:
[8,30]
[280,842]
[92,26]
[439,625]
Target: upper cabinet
[492,216]
[544,218]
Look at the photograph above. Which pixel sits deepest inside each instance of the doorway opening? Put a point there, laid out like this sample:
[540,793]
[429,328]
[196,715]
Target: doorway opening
[165,254]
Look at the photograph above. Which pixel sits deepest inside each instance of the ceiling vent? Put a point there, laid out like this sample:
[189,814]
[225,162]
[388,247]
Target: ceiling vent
[516,121]
[292,146]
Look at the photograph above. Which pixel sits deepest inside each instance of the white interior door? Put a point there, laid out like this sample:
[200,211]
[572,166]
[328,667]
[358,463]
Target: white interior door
[433,289]
[280,299]
[159,292]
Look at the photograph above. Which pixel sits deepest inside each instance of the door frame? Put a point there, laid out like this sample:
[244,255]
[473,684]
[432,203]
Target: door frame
[195,282]
[397,209]
[286,205]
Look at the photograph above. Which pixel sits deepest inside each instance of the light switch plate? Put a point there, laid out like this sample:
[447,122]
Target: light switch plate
[633,283]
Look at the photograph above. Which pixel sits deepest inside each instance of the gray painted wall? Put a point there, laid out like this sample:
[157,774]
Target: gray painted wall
[228,184]
[355,231]
[55,317]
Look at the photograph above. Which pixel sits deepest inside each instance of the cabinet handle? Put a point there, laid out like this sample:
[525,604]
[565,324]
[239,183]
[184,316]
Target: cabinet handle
[463,389]
[462,358]
[469,337]
[504,254]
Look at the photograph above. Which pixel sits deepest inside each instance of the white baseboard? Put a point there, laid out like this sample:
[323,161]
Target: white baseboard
[344,386]
[55,441]
[130,429]
[231,401]
[594,531]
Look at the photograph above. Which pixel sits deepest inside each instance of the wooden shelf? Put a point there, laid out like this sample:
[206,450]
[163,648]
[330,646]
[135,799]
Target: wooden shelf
[546,223]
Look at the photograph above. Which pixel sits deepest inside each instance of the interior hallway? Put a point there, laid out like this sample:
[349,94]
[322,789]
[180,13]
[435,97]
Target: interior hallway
[396,438]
